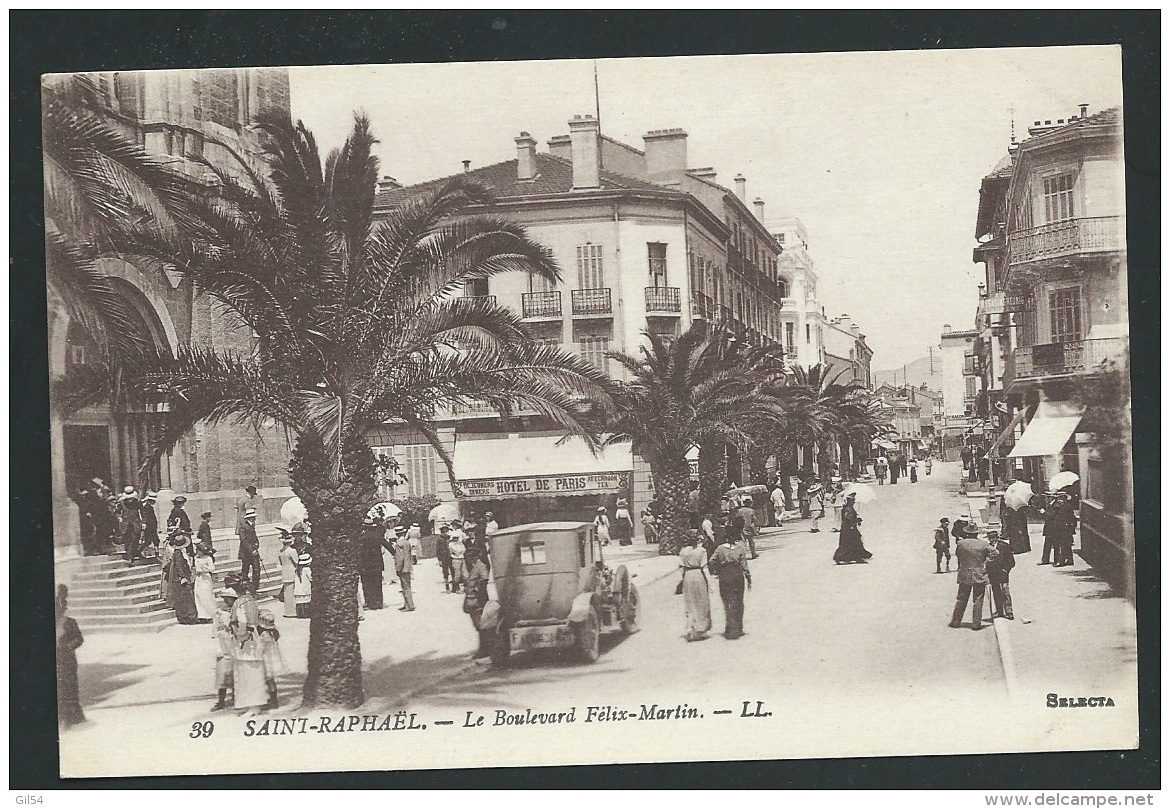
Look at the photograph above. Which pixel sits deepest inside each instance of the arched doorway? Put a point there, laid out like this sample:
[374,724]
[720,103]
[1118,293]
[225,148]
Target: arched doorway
[108,438]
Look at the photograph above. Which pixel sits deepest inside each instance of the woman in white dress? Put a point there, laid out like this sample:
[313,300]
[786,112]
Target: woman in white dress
[205,606]
[288,574]
[303,586]
[602,523]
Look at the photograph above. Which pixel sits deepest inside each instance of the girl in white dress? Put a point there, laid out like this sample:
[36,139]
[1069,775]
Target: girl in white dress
[205,606]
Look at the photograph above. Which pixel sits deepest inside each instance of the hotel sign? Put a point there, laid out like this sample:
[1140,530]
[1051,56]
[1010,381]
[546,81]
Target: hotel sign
[543,486]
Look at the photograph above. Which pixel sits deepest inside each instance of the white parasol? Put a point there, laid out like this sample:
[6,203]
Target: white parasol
[293,511]
[443,513]
[1017,495]
[865,494]
[1062,479]
[383,511]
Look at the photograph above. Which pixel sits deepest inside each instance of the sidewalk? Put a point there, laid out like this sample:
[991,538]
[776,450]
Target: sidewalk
[401,652]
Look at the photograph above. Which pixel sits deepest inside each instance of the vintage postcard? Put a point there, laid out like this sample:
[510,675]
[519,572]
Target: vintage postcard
[576,412]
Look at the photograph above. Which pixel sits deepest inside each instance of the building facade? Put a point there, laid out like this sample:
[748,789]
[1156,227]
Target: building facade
[1053,314]
[844,348]
[645,244]
[183,116]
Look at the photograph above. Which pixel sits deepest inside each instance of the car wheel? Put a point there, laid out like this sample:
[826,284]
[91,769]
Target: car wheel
[589,637]
[630,622]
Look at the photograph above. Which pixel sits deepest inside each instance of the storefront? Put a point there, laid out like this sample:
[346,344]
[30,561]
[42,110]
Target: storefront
[1047,445]
[524,478]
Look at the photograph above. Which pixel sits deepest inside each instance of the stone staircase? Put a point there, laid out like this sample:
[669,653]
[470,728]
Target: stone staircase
[107,595]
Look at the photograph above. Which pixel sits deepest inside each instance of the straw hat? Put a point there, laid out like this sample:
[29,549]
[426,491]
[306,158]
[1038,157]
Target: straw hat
[266,620]
[305,559]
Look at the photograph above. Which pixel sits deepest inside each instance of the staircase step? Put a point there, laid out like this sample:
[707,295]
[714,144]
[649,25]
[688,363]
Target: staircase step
[116,610]
[142,622]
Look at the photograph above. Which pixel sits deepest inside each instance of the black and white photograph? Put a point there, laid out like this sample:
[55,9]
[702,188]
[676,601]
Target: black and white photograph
[590,411]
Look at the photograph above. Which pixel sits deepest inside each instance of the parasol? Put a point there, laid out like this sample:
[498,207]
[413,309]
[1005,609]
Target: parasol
[1062,479]
[865,494]
[1017,495]
[443,513]
[293,511]
[383,511]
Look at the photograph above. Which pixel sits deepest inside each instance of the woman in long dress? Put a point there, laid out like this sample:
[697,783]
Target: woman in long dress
[849,547]
[249,688]
[288,574]
[303,586]
[623,523]
[69,639]
[181,580]
[205,605]
[696,595]
[730,564]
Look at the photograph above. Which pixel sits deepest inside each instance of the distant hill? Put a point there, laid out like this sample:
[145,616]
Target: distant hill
[916,373]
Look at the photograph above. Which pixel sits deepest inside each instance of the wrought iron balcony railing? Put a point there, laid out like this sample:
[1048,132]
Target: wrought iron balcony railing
[1061,359]
[541,304]
[592,302]
[663,300]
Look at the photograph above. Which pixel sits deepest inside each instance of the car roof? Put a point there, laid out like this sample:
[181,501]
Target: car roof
[540,527]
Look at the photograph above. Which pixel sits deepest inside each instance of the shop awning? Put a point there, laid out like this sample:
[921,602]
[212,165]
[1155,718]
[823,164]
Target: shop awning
[1049,430]
[884,444]
[993,450]
[537,466]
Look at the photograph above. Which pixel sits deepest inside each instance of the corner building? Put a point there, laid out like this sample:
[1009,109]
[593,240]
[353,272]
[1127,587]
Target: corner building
[645,244]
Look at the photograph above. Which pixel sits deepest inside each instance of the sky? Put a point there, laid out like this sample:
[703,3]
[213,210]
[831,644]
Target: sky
[880,154]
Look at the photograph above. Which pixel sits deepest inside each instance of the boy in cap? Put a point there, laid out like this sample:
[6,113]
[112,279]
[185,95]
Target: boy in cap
[942,545]
[999,565]
[269,637]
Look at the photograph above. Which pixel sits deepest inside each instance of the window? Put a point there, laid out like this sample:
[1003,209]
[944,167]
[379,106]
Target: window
[969,393]
[657,254]
[1064,310]
[417,463]
[538,283]
[780,238]
[790,335]
[533,553]
[593,351]
[1058,197]
[475,288]
[783,285]
[808,333]
[77,355]
[590,273]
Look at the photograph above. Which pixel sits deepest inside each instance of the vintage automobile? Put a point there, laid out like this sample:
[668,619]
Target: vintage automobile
[554,591]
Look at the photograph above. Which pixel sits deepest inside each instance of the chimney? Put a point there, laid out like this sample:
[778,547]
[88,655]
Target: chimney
[759,203]
[466,166]
[584,135]
[525,157]
[741,187]
[946,328]
[705,173]
[561,146]
[388,183]
[1084,110]
[666,155]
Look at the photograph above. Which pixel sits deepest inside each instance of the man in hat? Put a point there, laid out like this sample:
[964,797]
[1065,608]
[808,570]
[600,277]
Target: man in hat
[249,554]
[370,562]
[458,549]
[204,532]
[942,545]
[404,567]
[286,560]
[129,522]
[443,554]
[249,500]
[748,514]
[178,517]
[971,553]
[149,522]
[88,529]
[999,565]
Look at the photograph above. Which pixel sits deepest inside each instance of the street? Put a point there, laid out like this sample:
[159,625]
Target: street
[857,654]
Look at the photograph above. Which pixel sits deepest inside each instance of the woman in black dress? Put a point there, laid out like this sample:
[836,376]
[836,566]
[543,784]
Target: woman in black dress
[69,639]
[849,547]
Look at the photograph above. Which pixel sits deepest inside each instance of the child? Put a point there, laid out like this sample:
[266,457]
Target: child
[270,651]
[223,656]
[942,545]
[303,586]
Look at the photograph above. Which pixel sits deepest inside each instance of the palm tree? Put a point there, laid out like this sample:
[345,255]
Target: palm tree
[693,390]
[97,178]
[357,323]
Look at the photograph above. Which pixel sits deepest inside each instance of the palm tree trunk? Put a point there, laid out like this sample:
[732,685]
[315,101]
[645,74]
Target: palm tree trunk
[712,475]
[336,508]
[671,484]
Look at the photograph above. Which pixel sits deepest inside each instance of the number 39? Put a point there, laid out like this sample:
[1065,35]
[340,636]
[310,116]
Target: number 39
[202,730]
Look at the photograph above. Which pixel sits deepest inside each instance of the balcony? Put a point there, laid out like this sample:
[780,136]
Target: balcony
[1050,360]
[541,305]
[490,300]
[663,301]
[592,303]
[702,307]
[1069,239]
